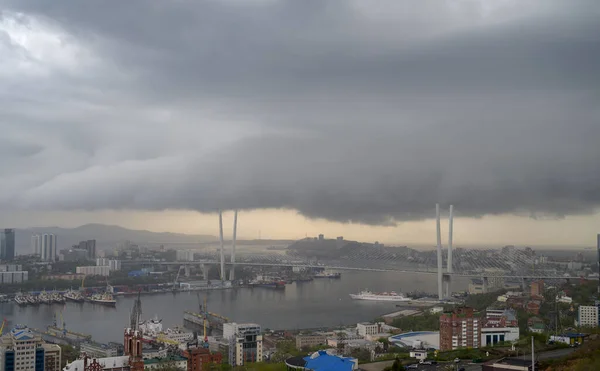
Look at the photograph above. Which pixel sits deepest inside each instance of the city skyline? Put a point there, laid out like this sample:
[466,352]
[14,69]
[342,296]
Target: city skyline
[308,118]
[489,231]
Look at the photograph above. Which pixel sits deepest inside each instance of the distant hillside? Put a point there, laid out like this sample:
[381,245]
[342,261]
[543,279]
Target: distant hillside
[105,236]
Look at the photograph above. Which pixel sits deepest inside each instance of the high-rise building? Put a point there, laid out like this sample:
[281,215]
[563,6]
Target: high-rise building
[90,247]
[22,350]
[537,288]
[7,244]
[587,316]
[460,328]
[598,245]
[52,357]
[48,247]
[245,342]
[36,244]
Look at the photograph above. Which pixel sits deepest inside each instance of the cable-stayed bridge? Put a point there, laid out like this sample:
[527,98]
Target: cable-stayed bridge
[489,265]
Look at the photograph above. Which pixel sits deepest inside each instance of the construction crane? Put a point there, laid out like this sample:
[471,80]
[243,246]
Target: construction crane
[2,327]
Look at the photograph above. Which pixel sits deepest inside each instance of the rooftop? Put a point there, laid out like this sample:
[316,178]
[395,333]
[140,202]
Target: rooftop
[323,361]
[172,358]
[513,362]
[108,362]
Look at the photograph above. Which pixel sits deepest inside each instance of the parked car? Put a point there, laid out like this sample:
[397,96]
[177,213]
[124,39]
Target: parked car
[414,365]
[456,360]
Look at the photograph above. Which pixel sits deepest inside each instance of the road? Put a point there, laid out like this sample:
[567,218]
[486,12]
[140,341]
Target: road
[466,364]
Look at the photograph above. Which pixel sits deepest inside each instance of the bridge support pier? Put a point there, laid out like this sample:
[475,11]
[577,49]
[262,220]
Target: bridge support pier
[447,284]
[204,269]
[187,270]
[485,281]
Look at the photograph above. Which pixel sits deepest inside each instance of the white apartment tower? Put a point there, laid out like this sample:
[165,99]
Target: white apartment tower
[36,244]
[48,247]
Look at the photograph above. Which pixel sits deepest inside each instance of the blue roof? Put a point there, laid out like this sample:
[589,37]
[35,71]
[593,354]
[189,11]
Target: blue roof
[326,362]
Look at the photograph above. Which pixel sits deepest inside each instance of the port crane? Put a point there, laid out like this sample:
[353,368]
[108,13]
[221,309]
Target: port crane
[204,313]
[2,327]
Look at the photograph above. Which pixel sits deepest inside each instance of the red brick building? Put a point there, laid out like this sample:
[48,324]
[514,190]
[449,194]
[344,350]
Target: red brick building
[533,307]
[537,288]
[460,328]
[200,359]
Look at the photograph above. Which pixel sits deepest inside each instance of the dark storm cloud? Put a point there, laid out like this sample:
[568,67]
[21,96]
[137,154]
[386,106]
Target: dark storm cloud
[338,110]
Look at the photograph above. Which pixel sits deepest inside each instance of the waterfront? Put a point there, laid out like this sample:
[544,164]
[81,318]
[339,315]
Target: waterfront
[318,303]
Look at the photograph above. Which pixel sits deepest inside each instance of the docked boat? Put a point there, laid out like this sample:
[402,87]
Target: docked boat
[32,299]
[57,298]
[75,296]
[104,299]
[21,299]
[44,298]
[328,275]
[379,296]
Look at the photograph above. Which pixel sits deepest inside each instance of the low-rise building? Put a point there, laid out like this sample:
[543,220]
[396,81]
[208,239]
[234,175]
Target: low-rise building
[476,286]
[367,328]
[322,360]
[499,325]
[98,350]
[12,277]
[120,363]
[173,361]
[310,340]
[508,364]
[569,338]
[93,270]
[418,354]
[201,359]
[533,307]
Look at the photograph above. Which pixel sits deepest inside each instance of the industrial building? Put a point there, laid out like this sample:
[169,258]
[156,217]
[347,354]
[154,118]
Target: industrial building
[8,278]
[245,342]
[93,270]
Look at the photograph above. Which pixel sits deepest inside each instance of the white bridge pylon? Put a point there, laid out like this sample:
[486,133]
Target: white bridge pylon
[223,274]
[444,280]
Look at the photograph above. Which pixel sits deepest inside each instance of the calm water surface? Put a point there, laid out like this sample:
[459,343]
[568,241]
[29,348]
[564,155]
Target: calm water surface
[320,303]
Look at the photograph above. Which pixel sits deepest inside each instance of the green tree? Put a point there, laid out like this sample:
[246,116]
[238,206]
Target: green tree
[68,354]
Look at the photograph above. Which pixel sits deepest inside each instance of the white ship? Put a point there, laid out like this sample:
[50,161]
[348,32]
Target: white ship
[104,299]
[379,296]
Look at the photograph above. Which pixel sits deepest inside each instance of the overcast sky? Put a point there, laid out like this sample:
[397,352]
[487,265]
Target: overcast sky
[358,115]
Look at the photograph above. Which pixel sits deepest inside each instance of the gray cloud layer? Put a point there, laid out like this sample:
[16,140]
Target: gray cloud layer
[347,110]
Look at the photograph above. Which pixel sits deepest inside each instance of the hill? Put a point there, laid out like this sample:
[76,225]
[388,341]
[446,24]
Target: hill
[105,236]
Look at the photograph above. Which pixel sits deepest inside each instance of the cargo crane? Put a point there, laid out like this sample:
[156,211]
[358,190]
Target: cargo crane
[2,327]
[203,310]
[64,324]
